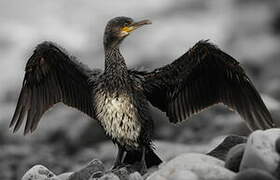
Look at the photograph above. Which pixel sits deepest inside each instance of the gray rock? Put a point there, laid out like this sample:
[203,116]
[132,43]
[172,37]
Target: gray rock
[97,174]
[261,152]
[109,176]
[175,174]
[94,167]
[184,175]
[135,176]
[150,171]
[254,174]
[277,145]
[122,173]
[234,157]
[39,172]
[193,158]
[64,176]
[199,165]
[222,149]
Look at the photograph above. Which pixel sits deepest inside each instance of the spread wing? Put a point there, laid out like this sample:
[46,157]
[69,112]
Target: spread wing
[52,76]
[204,76]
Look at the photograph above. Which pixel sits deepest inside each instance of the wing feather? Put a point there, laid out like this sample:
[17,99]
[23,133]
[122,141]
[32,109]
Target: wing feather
[202,77]
[52,76]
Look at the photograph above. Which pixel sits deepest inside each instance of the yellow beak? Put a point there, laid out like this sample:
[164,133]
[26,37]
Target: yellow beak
[127,29]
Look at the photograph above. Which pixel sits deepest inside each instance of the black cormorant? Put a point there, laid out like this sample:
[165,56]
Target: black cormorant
[118,98]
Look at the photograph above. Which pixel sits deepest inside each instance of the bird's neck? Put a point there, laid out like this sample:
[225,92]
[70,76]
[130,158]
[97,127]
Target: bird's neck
[114,62]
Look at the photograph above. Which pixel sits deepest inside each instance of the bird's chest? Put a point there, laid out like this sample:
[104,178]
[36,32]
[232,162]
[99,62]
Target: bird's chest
[119,117]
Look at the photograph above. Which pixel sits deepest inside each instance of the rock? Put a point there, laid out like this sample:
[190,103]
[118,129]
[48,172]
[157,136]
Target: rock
[234,157]
[150,171]
[109,176]
[95,167]
[202,166]
[64,176]
[277,145]
[122,173]
[183,175]
[194,158]
[135,176]
[157,176]
[97,174]
[174,175]
[254,174]
[39,172]
[222,149]
[260,151]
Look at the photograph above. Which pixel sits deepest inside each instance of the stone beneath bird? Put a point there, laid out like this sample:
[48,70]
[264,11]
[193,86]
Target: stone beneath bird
[174,174]
[260,151]
[119,98]
[64,176]
[277,145]
[234,157]
[39,172]
[221,151]
[109,176]
[200,165]
[95,169]
[135,176]
[254,174]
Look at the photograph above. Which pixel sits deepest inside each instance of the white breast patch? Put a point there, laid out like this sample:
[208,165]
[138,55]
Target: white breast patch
[119,117]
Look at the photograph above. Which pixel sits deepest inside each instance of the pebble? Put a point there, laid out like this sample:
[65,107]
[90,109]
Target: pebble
[109,176]
[94,167]
[254,174]
[174,174]
[222,149]
[200,165]
[64,176]
[260,151]
[135,176]
[39,172]
[234,157]
[277,145]
[122,173]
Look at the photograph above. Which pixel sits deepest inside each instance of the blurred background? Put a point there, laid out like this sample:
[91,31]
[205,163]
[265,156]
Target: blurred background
[66,139]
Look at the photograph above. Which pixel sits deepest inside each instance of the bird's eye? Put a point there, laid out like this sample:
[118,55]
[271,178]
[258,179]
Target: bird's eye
[126,24]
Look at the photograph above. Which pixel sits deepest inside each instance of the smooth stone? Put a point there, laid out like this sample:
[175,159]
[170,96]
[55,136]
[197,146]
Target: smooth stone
[203,166]
[64,176]
[222,149]
[97,174]
[183,175]
[174,174]
[93,167]
[254,174]
[234,157]
[193,158]
[150,171]
[156,176]
[277,145]
[122,173]
[39,172]
[109,176]
[260,151]
[135,176]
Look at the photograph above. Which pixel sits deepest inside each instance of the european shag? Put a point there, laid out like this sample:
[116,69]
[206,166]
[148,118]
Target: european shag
[118,98]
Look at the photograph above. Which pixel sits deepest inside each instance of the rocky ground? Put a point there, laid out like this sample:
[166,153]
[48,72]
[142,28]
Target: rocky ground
[235,158]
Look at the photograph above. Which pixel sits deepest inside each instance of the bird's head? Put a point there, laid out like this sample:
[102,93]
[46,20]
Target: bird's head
[118,28]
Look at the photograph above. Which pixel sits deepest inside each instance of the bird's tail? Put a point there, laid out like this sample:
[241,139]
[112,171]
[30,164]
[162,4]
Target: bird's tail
[151,158]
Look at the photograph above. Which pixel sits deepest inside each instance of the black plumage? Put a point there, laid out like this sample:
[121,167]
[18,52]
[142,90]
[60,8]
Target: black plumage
[119,98]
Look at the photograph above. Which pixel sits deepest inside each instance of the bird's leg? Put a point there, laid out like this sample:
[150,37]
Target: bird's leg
[120,156]
[143,164]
